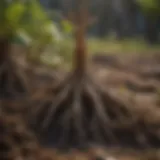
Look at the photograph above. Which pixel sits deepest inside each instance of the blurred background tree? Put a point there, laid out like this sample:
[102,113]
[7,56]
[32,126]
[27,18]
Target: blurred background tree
[122,18]
[42,27]
[151,10]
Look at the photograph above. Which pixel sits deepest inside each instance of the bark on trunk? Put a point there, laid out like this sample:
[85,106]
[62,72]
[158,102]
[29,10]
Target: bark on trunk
[80,53]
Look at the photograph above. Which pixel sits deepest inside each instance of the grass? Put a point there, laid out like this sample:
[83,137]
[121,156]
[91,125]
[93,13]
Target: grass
[105,46]
[113,46]
[123,46]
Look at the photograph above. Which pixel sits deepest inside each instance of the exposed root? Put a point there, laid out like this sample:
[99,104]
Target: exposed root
[13,82]
[82,112]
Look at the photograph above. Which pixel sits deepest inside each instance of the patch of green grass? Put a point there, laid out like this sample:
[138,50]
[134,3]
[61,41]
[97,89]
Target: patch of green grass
[110,46]
[124,46]
[105,46]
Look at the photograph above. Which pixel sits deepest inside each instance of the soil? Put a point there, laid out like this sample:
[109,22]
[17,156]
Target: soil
[133,79]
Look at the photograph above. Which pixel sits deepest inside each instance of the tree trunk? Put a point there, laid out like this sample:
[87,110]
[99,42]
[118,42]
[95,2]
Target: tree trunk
[80,61]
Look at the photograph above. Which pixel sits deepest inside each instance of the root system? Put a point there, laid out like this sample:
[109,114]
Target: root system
[81,112]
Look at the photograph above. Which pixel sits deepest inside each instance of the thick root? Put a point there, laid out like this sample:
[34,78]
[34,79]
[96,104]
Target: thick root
[13,82]
[81,112]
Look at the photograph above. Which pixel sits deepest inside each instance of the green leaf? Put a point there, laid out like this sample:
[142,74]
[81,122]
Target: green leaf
[67,27]
[150,7]
[14,14]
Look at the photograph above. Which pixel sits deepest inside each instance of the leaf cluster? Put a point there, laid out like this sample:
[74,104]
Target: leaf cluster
[150,7]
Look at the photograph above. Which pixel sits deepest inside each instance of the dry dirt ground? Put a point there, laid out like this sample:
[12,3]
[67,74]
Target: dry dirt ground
[131,77]
[134,79]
